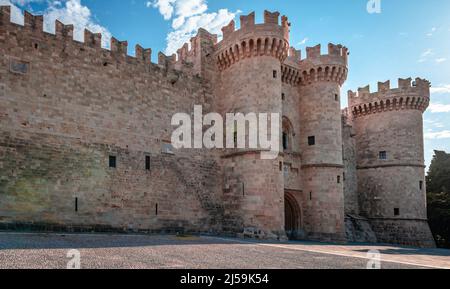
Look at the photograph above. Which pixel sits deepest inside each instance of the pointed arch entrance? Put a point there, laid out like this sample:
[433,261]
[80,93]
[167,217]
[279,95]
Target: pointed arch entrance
[292,216]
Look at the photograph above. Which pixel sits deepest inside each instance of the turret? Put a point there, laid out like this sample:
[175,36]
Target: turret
[388,125]
[194,57]
[253,40]
[249,64]
[320,81]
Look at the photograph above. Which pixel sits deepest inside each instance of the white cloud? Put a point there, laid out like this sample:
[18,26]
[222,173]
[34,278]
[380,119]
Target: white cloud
[442,89]
[434,29]
[66,11]
[73,12]
[303,42]
[439,108]
[440,60]
[438,135]
[427,52]
[424,56]
[187,17]
[165,7]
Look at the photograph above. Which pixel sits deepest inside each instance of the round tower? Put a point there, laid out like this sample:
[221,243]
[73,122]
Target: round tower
[390,160]
[249,78]
[321,141]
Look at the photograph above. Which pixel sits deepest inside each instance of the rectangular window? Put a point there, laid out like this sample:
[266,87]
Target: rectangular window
[76,204]
[338,179]
[336,97]
[383,155]
[283,96]
[112,161]
[20,67]
[147,163]
[274,74]
[421,185]
[396,212]
[311,140]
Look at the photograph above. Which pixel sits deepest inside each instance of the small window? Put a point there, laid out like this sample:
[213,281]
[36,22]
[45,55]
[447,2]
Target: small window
[311,140]
[336,97]
[76,204]
[275,74]
[285,141]
[156,209]
[396,212]
[147,163]
[421,185]
[338,179]
[283,96]
[112,161]
[383,155]
[19,67]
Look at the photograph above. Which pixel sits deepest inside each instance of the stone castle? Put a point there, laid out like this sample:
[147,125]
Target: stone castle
[85,139]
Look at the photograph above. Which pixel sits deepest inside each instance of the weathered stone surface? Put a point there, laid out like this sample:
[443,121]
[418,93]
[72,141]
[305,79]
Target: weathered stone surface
[66,107]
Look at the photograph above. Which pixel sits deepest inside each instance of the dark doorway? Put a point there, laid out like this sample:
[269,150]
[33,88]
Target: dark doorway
[292,214]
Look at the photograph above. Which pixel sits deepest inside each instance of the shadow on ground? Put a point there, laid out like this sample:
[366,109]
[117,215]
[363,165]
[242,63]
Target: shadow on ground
[33,241]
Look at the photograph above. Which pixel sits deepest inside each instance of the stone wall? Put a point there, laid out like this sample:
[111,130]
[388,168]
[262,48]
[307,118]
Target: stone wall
[350,179]
[66,107]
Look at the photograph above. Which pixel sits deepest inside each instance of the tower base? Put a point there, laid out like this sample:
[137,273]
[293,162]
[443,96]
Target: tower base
[415,233]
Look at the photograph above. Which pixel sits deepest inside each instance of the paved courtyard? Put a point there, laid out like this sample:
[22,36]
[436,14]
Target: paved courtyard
[23,250]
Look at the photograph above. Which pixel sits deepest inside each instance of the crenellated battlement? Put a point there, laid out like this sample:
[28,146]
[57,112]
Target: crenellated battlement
[34,25]
[409,95]
[316,66]
[63,31]
[252,40]
[190,54]
[324,67]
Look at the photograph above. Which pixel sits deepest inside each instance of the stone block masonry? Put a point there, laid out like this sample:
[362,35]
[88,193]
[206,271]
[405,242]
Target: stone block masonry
[85,138]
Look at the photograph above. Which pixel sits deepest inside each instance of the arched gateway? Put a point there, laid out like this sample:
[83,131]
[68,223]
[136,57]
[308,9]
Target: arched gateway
[293,217]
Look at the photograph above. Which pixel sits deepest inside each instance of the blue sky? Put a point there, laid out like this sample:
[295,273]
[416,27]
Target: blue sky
[409,38]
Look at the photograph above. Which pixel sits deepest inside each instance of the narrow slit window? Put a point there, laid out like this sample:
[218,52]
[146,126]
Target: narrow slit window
[156,209]
[275,74]
[112,161]
[147,163]
[283,96]
[285,141]
[76,204]
[421,185]
[338,179]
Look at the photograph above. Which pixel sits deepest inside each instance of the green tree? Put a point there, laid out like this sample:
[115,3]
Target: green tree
[438,195]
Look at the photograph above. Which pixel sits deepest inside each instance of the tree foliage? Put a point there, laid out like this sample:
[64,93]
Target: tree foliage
[438,195]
